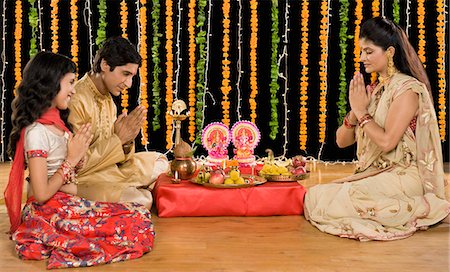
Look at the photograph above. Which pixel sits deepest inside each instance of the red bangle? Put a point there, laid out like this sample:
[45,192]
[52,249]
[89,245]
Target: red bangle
[347,123]
[68,173]
[364,120]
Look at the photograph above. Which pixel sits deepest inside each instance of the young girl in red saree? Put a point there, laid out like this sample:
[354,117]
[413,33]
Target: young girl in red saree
[55,223]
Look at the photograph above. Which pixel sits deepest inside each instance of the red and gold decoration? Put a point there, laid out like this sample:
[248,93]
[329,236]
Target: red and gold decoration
[323,75]
[169,71]
[18,45]
[54,27]
[74,49]
[440,35]
[303,136]
[253,64]
[215,139]
[226,88]
[245,136]
[192,83]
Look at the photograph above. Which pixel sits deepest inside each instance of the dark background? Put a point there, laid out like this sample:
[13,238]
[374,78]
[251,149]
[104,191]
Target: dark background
[214,112]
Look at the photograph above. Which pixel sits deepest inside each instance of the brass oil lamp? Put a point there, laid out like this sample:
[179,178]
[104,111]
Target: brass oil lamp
[182,166]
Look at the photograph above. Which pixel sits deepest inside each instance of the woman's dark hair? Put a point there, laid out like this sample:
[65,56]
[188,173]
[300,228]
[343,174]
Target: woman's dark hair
[40,85]
[385,33]
[116,51]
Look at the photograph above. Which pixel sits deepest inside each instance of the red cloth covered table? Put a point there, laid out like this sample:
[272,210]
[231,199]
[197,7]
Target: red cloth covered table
[188,199]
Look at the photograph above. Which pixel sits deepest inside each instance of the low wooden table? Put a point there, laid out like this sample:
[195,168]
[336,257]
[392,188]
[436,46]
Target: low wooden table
[188,199]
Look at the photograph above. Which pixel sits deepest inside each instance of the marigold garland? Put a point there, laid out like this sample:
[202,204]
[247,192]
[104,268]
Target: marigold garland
[200,68]
[357,49]
[101,30]
[396,11]
[303,136]
[323,69]
[169,72]
[421,30]
[156,89]
[375,13]
[226,88]
[18,45]
[253,64]
[74,49]
[33,20]
[343,37]
[124,26]
[274,86]
[143,68]
[440,34]
[124,18]
[54,27]
[376,8]
[191,86]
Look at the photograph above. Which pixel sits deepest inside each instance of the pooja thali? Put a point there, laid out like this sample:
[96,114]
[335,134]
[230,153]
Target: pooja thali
[257,180]
[285,178]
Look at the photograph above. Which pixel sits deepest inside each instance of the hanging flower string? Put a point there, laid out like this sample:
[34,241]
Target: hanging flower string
[303,136]
[124,18]
[239,62]
[191,86]
[408,16]
[156,89]
[200,69]
[324,28]
[169,72]
[343,37]
[274,86]
[54,27]
[421,30]
[124,27]
[376,8]
[357,49]
[101,30]
[253,64]
[87,16]
[4,90]
[440,35]
[33,20]
[283,58]
[396,11]
[18,45]
[143,68]
[375,13]
[226,88]
[74,49]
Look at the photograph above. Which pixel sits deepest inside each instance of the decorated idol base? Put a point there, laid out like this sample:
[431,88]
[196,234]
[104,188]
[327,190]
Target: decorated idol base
[245,136]
[217,160]
[216,138]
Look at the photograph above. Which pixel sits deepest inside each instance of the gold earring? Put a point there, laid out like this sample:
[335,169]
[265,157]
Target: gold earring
[391,68]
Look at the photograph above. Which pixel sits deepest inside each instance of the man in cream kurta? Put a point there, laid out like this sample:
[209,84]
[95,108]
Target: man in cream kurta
[112,170]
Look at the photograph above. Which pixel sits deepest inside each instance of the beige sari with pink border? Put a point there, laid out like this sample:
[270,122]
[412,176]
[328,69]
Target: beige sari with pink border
[392,194]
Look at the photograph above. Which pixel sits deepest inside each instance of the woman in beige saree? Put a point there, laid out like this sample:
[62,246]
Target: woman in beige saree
[398,186]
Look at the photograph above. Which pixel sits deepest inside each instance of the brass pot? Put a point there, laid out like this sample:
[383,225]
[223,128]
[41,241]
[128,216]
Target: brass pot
[183,168]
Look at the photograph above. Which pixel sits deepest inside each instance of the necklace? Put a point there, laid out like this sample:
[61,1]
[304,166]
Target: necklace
[382,80]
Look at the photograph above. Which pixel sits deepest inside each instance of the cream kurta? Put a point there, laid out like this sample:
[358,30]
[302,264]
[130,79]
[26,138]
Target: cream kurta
[394,193]
[109,174]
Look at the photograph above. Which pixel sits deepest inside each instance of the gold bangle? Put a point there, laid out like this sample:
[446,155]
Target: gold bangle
[364,122]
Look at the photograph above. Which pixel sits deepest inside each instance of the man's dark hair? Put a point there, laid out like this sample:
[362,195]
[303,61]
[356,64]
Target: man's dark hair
[116,51]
